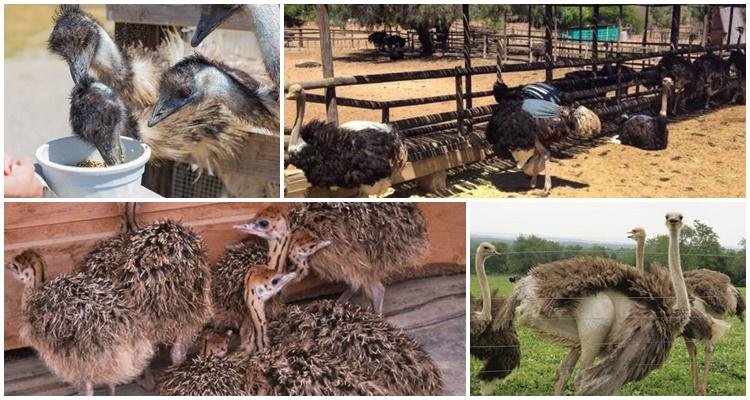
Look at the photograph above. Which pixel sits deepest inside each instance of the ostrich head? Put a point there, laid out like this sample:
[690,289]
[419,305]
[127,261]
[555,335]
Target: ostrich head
[215,343]
[304,245]
[487,249]
[100,118]
[79,39]
[674,222]
[269,224]
[28,267]
[262,283]
[638,234]
[212,15]
[295,91]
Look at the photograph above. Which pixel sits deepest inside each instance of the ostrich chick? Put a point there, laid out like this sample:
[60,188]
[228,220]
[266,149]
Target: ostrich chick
[370,241]
[644,131]
[82,326]
[100,118]
[261,284]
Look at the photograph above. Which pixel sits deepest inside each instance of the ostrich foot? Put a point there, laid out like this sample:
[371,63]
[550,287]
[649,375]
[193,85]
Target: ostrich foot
[487,387]
[146,380]
[615,139]
[378,295]
[86,388]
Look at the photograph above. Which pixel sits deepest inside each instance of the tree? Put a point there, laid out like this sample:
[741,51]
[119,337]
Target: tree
[297,14]
[420,17]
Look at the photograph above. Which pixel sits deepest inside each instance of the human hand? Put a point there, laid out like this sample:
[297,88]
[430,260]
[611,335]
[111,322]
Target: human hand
[20,179]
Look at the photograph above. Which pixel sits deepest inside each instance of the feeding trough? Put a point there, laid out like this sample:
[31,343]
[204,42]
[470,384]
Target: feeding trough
[59,157]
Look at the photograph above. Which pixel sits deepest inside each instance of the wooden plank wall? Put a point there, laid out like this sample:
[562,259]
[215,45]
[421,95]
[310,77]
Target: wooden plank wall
[64,232]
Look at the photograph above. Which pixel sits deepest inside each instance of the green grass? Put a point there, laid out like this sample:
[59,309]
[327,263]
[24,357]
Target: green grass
[539,361]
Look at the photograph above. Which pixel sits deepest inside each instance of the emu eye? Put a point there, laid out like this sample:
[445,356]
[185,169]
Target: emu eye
[184,91]
[263,223]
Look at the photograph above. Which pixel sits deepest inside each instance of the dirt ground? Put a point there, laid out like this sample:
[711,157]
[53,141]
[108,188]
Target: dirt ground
[705,157]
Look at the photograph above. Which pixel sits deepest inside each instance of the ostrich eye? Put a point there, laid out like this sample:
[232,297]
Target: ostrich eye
[263,223]
[275,281]
[680,217]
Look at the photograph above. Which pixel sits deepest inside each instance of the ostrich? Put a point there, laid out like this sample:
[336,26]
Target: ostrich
[84,327]
[639,315]
[162,268]
[378,39]
[484,340]
[639,235]
[682,74]
[357,154]
[711,74]
[100,118]
[644,131]
[265,20]
[370,241]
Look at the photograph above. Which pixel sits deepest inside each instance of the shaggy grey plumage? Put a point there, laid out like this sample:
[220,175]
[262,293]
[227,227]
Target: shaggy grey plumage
[711,75]
[205,375]
[370,241]
[682,74]
[716,289]
[499,349]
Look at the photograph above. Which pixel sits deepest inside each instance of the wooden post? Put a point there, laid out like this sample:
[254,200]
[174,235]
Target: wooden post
[301,39]
[710,26]
[484,47]
[528,37]
[619,32]
[467,56]
[548,42]
[386,115]
[580,31]
[595,36]
[326,56]
[674,33]
[706,33]
[505,28]
[729,28]
[644,41]
[460,105]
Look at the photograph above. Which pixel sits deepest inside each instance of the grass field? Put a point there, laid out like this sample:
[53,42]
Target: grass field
[539,361]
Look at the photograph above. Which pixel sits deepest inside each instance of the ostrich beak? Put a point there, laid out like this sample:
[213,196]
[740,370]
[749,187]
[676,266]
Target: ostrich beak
[166,107]
[631,235]
[497,253]
[212,15]
[287,279]
[250,228]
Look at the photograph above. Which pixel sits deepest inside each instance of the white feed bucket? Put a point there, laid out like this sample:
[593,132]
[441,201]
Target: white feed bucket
[58,158]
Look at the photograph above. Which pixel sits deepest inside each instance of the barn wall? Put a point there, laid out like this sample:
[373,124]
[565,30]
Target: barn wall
[64,232]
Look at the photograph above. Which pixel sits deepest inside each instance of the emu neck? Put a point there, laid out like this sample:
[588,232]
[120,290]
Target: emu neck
[664,94]
[640,251]
[258,317]
[484,287]
[295,138]
[675,271]
[265,18]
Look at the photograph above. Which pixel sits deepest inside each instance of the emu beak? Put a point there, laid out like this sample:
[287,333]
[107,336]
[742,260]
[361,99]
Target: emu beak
[111,152]
[212,15]
[167,107]
[78,69]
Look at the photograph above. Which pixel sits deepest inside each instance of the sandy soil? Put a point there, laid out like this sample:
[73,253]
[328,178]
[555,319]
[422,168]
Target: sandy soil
[705,157]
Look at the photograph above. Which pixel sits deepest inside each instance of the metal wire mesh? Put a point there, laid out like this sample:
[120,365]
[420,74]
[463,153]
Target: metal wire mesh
[189,183]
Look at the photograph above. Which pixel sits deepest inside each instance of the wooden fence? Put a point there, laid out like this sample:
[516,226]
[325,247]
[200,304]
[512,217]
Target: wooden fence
[65,232]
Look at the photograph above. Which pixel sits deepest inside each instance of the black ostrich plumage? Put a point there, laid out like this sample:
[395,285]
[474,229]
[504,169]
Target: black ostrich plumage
[678,69]
[643,132]
[737,59]
[499,349]
[510,128]
[334,156]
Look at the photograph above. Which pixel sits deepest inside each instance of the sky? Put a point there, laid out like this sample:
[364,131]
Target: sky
[604,221]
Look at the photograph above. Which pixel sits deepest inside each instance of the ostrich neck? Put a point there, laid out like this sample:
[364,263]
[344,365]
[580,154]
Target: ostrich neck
[266,20]
[258,317]
[277,251]
[640,251]
[295,138]
[664,94]
[484,287]
[675,271]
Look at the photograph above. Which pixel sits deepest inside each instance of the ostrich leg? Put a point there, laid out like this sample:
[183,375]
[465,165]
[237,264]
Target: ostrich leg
[111,389]
[86,388]
[706,366]
[690,345]
[378,295]
[565,370]
[545,159]
[345,296]
[147,380]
